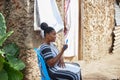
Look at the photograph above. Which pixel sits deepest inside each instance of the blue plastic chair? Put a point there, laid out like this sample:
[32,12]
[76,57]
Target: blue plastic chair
[42,66]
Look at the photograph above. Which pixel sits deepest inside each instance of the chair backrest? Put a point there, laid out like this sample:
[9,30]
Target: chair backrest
[42,66]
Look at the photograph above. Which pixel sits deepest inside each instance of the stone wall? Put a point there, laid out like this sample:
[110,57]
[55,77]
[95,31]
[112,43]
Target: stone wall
[98,23]
[19,17]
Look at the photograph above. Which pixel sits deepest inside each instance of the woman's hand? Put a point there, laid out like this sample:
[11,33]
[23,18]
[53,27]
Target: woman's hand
[61,62]
[65,46]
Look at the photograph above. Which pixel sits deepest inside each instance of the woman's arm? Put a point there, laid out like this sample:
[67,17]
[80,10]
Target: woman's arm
[53,61]
[61,62]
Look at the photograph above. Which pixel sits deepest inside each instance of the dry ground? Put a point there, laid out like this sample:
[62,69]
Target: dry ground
[107,68]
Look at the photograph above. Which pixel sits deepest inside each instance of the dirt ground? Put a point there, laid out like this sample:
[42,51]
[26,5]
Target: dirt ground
[107,68]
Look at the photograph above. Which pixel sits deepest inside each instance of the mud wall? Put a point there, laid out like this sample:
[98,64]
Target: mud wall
[98,23]
[19,17]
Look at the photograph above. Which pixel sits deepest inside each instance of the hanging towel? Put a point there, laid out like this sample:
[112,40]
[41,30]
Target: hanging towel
[47,11]
[72,25]
[117,14]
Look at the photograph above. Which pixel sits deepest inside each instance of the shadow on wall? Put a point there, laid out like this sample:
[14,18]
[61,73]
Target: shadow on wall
[112,45]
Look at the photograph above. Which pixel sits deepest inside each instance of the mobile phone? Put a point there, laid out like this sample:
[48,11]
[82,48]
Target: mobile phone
[66,41]
[65,47]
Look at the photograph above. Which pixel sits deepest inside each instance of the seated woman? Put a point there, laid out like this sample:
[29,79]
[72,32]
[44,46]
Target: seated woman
[57,69]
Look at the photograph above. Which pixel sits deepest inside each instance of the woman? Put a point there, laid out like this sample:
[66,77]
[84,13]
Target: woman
[57,69]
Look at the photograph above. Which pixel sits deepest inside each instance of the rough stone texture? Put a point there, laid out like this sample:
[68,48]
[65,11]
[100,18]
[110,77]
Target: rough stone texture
[60,35]
[19,17]
[98,23]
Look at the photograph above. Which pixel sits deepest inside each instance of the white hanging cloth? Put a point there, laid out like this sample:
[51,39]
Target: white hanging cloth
[47,11]
[117,14]
[72,26]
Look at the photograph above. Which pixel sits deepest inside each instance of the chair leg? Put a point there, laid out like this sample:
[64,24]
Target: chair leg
[80,76]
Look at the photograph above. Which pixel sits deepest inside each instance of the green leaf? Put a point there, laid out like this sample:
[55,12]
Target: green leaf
[3,75]
[3,38]
[11,49]
[2,52]
[12,73]
[1,62]
[2,25]
[15,63]
[1,65]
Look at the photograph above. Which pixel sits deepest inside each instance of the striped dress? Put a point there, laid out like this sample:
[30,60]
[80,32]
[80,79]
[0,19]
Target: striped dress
[56,72]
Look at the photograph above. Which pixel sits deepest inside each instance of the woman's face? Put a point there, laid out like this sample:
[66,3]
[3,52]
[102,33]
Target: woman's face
[52,36]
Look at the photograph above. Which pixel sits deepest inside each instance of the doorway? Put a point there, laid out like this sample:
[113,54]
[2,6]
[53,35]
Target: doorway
[73,25]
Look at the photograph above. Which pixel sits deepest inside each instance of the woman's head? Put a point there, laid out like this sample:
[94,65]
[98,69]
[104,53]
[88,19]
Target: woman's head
[49,32]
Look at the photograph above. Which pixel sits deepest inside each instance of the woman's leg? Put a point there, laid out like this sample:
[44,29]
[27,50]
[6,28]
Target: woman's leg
[64,75]
[76,64]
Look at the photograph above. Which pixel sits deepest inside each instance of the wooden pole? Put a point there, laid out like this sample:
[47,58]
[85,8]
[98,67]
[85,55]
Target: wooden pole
[80,50]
